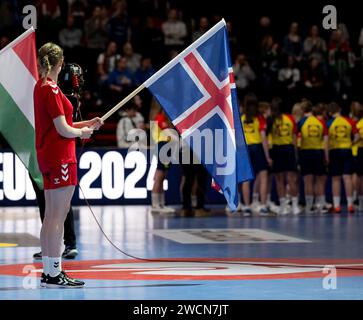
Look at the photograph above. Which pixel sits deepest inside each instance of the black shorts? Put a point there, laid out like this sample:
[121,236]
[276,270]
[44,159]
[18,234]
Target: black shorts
[358,163]
[162,165]
[257,157]
[312,162]
[340,162]
[284,158]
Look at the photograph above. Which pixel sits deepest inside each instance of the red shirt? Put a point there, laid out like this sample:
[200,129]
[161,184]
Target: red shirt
[161,120]
[52,149]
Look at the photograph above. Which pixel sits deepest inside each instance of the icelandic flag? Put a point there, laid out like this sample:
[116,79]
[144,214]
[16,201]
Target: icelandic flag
[198,93]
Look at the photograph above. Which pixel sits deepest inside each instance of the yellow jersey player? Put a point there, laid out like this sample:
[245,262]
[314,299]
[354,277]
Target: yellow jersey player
[359,159]
[283,153]
[254,127]
[341,135]
[313,157]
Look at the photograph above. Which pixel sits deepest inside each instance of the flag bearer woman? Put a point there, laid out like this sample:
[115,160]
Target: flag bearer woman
[55,145]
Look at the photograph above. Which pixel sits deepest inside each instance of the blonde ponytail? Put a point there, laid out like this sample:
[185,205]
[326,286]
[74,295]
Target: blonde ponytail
[49,56]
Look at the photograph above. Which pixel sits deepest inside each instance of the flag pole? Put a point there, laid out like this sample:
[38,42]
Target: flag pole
[159,73]
[123,102]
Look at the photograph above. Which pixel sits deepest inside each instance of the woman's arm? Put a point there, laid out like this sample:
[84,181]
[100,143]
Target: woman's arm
[265,147]
[66,131]
[94,123]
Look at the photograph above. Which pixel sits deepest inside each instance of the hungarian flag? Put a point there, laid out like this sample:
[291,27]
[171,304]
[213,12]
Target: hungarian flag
[18,76]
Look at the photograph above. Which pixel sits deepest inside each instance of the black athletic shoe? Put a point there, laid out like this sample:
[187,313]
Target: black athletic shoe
[43,280]
[37,256]
[75,281]
[69,253]
[63,281]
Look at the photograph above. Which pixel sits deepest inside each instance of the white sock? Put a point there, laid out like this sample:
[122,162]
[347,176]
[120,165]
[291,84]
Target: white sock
[162,199]
[282,201]
[295,201]
[355,195]
[55,266]
[194,201]
[350,201]
[45,261]
[320,200]
[155,199]
[309,202]
[336,202]
[268,197]
[255,197]
[360,203]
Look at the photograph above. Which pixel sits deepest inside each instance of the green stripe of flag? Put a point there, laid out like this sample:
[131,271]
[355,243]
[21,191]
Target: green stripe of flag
[19,133]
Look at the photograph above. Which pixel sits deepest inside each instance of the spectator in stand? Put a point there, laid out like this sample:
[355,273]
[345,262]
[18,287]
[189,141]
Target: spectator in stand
[153,42]
[244,75]
[144,72]
[283,131]
[269,66]
[118,25]
[345,33]
[342,131]
[262,32]
[78,12]
[341,62]
[70,36]
[120,81]
[106,63]
[70,39]
[314,81]
[4,41]
[130,119]
[133,58]
[51,19]
[315,46]
[202,28]
[95,38]
[136,29]
[9,17]
[313,157]
[292,45]
[95,29]
[175,31]
[289,80]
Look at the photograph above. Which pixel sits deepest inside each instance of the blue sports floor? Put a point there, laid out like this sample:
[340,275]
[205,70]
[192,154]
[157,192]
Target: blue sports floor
[214,257]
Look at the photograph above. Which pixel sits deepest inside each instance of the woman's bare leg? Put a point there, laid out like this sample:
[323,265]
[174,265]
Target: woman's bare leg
[57,205]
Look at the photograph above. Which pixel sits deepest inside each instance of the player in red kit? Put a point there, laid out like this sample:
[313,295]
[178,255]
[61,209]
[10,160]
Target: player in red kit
[55,145]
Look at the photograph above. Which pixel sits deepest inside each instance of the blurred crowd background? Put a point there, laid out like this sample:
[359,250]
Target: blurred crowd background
[278,49]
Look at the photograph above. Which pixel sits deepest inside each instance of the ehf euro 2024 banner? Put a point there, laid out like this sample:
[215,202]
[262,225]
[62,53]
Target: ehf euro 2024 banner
[107,176]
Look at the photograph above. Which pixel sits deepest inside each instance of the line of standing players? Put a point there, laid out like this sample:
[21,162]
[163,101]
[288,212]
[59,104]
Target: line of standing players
[318,144]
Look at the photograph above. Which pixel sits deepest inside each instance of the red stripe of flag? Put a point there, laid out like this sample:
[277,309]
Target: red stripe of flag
[26,51]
